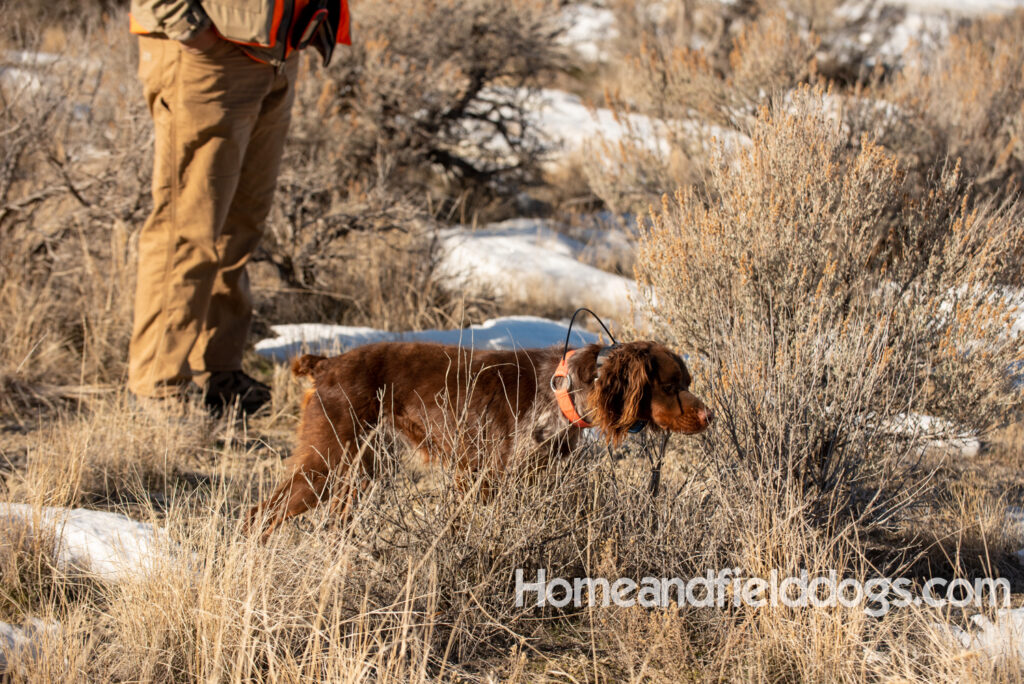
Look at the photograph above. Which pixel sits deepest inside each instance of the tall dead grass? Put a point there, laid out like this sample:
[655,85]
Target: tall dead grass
[937,104]
[826,309]
[963,101]
[702,91]
[420,585]
[377,154]
[820,296]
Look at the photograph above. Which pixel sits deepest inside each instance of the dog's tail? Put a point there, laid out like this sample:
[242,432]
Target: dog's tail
[306,364]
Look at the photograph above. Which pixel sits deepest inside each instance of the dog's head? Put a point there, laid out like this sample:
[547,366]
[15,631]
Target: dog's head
[645,381]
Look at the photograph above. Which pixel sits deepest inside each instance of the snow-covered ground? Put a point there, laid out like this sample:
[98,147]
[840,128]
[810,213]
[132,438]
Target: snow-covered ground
[568,123]
[1016,299]
[959,6]
[885,28]
[524,260]
[27,71]
[108,545]
[21,70]
[936,433]
[27,642]
[510,332]
[565,120]
[521,260]
[588,30]
[1002,638]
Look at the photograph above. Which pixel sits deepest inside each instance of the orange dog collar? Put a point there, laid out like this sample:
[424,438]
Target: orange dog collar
[562,395]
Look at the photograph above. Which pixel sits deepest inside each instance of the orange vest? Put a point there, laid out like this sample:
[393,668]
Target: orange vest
[290,25]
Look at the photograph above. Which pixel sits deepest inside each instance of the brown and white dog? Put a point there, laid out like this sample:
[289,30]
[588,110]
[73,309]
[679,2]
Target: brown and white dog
[491,410]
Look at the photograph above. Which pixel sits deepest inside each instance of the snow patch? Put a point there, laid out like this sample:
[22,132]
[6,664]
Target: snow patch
[998,639]
[564,120]
[916,28]
[938,433]
[524,260]
[1015,298]
[20,80]
[30,71]
[27,642]
[31,58]
[109,545]
[960,6]
[588,31]
[509,332]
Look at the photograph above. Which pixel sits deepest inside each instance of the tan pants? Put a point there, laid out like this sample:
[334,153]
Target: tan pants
[220,120]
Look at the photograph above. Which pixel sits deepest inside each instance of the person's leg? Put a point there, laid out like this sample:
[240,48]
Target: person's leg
[219,347]
[204,108]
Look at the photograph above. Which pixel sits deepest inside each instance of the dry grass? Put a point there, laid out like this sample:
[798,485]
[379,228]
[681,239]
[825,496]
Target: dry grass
[965,102]
[354,246]
[702,86]
[705,71]
[419,587]
[821,282]
[825,305]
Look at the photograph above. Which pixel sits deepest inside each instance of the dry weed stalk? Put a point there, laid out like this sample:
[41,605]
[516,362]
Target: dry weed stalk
[965,102]
[700,92]
[825,307]
[817,301]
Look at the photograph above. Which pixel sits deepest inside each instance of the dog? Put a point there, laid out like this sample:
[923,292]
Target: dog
[487,411]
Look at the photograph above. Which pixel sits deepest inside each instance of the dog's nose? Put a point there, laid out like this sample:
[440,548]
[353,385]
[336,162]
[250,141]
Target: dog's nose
[705,416]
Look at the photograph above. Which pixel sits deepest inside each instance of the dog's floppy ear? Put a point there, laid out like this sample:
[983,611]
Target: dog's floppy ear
[618,394]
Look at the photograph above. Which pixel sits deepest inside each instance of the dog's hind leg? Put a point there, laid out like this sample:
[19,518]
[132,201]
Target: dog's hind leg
[352,481]
[326,443]
[298,494]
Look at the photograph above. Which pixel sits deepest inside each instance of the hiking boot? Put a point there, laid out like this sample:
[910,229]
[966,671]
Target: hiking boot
[226,389]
